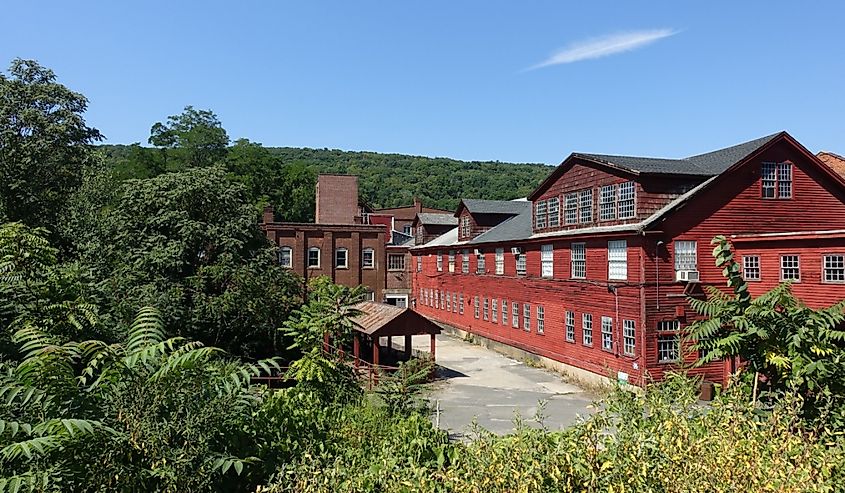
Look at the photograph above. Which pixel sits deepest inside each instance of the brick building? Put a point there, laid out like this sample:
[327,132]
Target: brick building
[593,270]
[349,242]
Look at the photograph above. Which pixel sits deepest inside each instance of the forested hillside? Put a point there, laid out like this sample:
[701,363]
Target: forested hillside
[386,180]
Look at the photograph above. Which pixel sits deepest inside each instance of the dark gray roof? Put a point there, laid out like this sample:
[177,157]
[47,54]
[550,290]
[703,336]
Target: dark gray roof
[518,227]
[401,239]
[708,164]
[511,207]
[437,219]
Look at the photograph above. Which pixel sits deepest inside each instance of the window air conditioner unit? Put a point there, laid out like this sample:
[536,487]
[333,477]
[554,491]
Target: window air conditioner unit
[477,251]
[687,276]
[516,250]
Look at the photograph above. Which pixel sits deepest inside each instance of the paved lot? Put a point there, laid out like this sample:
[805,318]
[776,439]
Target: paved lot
[480,383]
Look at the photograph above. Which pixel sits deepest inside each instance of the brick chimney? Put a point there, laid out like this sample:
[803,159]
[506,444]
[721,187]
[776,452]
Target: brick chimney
[337,199]
[417,204]
[269,215]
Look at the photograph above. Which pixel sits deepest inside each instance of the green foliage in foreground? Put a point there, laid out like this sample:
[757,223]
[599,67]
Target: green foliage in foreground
[783,344]
[662,440]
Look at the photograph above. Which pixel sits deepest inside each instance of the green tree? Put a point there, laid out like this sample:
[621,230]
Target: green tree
[784,344]
[44,143]
[193,138]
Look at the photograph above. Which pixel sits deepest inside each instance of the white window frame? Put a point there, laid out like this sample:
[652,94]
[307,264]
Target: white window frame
[337,263]
[607,333]
[477,305]
[554,212]
[570,211]
[627,206]
[448,302]
[578,260]
[540,214]
[486,311]
[629,337]
[465,262]
[607,203]
[461,304]
[310,251]
[776,180]
[786,263]
[419,263]
[686,255]
[286,257]
[587,329]
[466,227]
[454,302]
[547,260]
[833,268]
[541,319]
[451,261]
[751,270]
[500,261]
[371,263]
[504,312]
[668,334]
[617,260]
[439,262]
[521,264]
[480,263]
[526,317]
[570,326]
[585,206]
[494,310]
[515,315]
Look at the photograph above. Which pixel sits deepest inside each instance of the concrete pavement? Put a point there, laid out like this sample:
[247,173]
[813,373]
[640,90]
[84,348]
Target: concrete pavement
[479,383]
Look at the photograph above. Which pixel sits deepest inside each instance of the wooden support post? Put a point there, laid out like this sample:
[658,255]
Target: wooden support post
[407,347]
[432,347]
[356,348]
[374,368]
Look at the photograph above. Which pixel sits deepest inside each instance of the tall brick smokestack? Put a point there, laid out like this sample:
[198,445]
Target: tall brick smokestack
[337,199]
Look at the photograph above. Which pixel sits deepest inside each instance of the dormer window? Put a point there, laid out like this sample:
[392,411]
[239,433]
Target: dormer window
[776,180]
[465,227]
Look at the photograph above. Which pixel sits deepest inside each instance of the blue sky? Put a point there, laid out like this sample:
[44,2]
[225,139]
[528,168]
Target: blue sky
[453,78]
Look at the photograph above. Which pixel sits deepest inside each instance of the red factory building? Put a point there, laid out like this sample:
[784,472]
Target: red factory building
[593,269]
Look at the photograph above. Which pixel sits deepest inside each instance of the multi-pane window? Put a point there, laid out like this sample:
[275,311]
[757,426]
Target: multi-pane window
[627,200]
[554,212]
[578,254]
[368,258]
[526,317]
[477,306]
[540,214]
[585,201]
[443,300]
[686,256]
[439,262]
[520,264]
[451,261]
[541,319]
[515,314]
[629,336]
[570,211]
[587,329]
[419,263]
[454,302]
[465,262]
[789,268]
[341,258]
[500,261]
[834,268]
[465,226]
[570,326]
[396,261]
[607,333]
[751,267]
[607,202]
[776,180]
[448,302]
[504,312]
[547,265]
[617,259]
[547,213]
[486,309]
[668,341]
[286,257]
[420,234]
[461,303]
[494,310]
[313,257]
[436,298]
[481,268]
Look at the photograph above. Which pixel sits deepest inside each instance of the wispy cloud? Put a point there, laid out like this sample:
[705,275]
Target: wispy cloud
[603,46]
